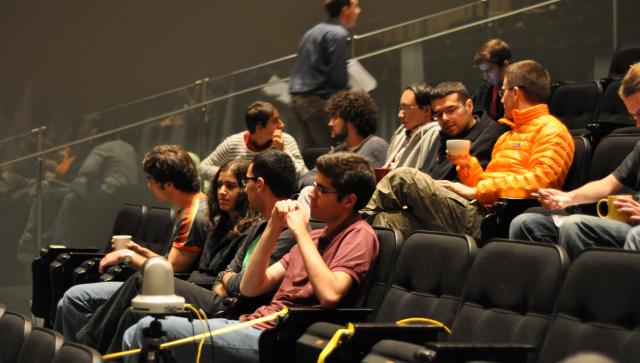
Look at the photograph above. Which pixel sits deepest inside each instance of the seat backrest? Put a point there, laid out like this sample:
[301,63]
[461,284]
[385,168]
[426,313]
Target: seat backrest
[155,229]
[310,154]
[128,221]
[510,293]
[598,308]
[390,243]
[577,175]
[612,109]
[40,346]
[623,57]
[14,329]
[610,153]
[428,277]
[76,353]
[576,103]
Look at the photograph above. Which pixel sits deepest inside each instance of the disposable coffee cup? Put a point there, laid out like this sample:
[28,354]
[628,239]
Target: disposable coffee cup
[120,241]
[458,147]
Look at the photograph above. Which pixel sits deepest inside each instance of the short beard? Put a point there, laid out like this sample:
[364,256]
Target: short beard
[340,136]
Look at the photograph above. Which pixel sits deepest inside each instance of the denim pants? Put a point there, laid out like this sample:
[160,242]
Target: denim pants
[576,233]
[234,347]
[408,199]
[78,304]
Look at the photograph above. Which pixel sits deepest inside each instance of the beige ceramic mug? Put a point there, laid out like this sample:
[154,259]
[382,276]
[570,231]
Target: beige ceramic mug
[458,147]
[120,241]
[612,213]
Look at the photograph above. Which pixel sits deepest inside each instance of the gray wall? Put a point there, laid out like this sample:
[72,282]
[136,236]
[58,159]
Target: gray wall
[64,59]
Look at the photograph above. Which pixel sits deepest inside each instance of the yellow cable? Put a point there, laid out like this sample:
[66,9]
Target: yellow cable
[226,329]
[335,341]
[424,320]
[204,328]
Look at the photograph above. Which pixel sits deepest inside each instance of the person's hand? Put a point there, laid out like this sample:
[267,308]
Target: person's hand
[279,214]
[220,291]
[553,198]
[278,140]
[462,190]
[629,207]
[112,258]
[297,218]
[463,160]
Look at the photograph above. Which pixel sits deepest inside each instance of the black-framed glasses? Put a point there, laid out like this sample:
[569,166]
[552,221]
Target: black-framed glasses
[254,178]
[405,108]
[321,189]
[437,116]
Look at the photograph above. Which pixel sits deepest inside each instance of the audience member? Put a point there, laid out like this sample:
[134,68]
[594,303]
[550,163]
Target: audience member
[320,70]
[453,109]
[536,153]
[173,178]
[264,132]
[577,232]
[277,178]
[491,59]
[413,140]
[354,119]
[327,267]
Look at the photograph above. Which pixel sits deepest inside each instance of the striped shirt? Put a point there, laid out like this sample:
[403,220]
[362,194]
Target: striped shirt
[234,147]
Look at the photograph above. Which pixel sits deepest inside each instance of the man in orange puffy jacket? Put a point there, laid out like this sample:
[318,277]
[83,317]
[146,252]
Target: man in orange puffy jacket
[536,153]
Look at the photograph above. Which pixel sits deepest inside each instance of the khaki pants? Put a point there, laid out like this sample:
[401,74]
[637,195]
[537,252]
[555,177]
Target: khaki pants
[408,200]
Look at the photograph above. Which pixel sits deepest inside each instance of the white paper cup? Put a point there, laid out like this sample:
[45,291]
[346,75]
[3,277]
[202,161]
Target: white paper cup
[458,147]
[120,241]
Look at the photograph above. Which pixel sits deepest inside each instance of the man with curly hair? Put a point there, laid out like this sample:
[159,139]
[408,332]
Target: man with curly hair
[354,119]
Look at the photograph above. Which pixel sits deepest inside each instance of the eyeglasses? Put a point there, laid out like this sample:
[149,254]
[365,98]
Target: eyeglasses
[254,178]
[321,189]
[447,111]
[503,91]
[405,108]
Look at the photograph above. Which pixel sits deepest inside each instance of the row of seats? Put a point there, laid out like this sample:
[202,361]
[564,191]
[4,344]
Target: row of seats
[20,342]
[58,268]
[509,301]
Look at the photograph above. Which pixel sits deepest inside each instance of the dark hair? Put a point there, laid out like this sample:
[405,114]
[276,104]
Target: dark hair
[532,79]
[172,164]
[220,220]
[350,173]
[355,107]
[446,88]
[334,7]
[494,51]
[422,91]
[277,170]
[258,112]
[631,82]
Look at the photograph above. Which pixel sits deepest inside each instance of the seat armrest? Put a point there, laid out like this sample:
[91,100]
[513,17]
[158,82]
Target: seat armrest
[463,352]
[337,316]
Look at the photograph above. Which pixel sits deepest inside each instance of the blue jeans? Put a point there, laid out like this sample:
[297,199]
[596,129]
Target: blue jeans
[78,304]
[236,346]
[576,233]
[632,242]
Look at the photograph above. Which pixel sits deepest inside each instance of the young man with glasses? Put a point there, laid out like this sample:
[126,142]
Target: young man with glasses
[326,268]
[536,153]
[415,137]
[577,232]
[453,110]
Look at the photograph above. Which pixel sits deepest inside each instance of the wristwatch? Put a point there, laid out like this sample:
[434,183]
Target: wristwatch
[126,258]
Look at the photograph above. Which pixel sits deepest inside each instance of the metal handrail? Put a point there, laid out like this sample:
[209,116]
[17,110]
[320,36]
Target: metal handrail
[251,89]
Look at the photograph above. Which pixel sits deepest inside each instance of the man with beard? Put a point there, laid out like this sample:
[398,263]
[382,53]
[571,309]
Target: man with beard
[354,119]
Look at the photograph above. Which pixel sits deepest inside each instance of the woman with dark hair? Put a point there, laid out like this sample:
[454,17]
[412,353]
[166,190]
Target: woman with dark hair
[230,218]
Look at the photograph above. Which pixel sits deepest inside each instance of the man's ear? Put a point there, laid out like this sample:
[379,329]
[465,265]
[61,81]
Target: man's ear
[349,200]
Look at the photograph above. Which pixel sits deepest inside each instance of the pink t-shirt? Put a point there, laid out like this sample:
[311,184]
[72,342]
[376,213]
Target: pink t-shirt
[351,248]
